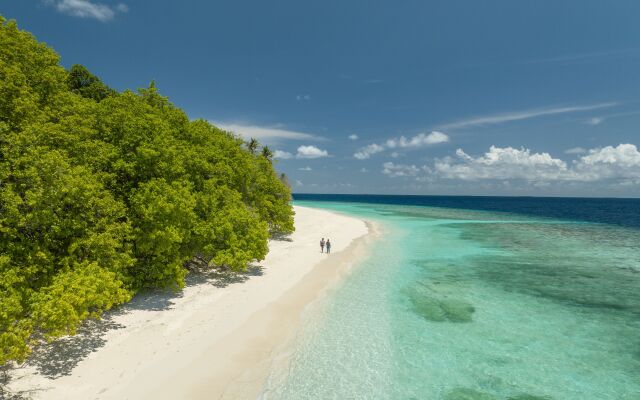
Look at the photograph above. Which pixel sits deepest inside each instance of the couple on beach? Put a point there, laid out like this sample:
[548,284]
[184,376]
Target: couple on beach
[324,244]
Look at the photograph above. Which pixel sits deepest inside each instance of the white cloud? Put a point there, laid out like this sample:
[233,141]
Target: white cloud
[594,121]
[501,163]
[396,170]
[367,151]
[88,9]
[299,183]
[307,152]
[364,170]
[394,154]
[307,168]
[575,150]
[311,152]
[282,155]
[623,154]
[600,119]
[415,142]
[353,137]
[620,163]
[418,141]
[303,97]
[265,134]
[520,115]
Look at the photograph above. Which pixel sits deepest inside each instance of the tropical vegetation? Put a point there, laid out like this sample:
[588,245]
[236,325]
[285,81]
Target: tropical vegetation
[105,193]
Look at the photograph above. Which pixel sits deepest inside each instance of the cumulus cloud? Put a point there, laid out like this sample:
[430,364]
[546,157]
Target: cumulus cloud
[418,141]
[303,97]
[415,142]
[307,168]
[501,163]
[311,152]
[265,134]
[353,137]
[395,170]
[620,163]
[307,152]
[367,151]
[88,9]
[282,155]
[624,154]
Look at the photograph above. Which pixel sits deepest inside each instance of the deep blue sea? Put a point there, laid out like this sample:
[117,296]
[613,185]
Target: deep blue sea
[622,212]
[478,298]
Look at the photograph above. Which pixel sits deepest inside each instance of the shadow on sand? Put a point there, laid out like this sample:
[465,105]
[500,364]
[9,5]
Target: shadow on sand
[60,357]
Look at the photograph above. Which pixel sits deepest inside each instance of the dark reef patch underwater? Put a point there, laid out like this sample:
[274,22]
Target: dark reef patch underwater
[432,307]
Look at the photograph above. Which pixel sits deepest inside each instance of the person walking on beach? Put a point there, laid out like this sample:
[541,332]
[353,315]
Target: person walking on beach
[328,246]
[322,246]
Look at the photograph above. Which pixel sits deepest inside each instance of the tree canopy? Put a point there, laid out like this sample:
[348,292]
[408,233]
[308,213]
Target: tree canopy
[84,83]
[105,193]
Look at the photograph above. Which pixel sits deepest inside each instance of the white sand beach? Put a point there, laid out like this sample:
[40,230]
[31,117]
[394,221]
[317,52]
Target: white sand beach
[215,339]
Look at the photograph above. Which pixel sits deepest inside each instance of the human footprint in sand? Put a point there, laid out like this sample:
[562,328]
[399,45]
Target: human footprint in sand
[328,246]
[322,245]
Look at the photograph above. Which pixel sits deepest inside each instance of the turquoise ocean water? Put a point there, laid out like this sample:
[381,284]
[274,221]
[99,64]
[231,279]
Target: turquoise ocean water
[457,304]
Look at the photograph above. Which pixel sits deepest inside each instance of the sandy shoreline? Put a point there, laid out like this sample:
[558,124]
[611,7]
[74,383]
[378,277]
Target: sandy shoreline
[215,339]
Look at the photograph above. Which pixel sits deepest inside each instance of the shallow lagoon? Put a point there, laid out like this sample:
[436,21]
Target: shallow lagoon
[460,305]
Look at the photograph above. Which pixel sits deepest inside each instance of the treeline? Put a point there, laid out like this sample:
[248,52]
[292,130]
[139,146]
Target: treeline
[105,193]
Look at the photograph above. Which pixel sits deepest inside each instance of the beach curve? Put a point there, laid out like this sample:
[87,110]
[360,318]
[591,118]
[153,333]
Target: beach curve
[211,341]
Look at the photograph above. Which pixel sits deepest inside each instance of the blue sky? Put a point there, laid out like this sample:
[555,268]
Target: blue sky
[422,97]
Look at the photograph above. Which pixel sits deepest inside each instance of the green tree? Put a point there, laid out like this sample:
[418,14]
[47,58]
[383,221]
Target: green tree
[267,153]
[84,83]
[63,246]
[253,145]
[30,79]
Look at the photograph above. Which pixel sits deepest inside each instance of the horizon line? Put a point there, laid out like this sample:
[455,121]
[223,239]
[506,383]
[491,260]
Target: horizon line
[467,195]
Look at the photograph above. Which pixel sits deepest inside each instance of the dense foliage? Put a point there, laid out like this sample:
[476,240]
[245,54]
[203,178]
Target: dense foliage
[104,193]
